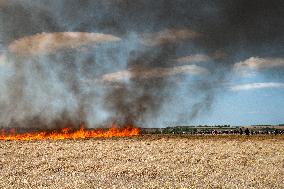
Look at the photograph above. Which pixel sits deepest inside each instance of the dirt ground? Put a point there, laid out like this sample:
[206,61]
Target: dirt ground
[145,162]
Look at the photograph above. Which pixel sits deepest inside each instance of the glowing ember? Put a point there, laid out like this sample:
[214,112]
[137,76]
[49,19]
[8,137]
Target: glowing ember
[67,133]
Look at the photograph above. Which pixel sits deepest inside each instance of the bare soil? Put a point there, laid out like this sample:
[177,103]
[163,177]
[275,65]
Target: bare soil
[148,161]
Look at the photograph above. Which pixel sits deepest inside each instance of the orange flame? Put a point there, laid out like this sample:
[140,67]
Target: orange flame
[67,133]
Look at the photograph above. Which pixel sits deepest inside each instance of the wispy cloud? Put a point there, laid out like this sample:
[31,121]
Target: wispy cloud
[256,63]
[258,113]
[202,57]
[154,72]
[46,43]
[253,86]
[168,36]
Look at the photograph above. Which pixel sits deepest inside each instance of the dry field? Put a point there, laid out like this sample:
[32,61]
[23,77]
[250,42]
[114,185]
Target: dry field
[145,162]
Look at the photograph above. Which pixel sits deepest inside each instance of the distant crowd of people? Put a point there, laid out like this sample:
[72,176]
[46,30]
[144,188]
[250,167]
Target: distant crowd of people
[246,131]
[233,131]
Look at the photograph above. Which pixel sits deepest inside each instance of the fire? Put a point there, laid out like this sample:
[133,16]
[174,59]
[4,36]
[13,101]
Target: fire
[67,133]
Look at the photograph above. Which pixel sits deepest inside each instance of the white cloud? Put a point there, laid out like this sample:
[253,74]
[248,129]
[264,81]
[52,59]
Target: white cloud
[46,43]
[256,63]
[154,72]
[253,86]
[168,36]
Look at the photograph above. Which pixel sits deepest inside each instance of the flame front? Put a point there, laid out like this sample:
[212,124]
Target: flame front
[67,133]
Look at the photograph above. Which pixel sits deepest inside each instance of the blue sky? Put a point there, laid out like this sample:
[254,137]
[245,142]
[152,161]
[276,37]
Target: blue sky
[263,105]
[247,96]
[259,106]
[251,93]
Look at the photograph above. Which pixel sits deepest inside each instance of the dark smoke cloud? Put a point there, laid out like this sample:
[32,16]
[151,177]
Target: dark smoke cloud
[63,87]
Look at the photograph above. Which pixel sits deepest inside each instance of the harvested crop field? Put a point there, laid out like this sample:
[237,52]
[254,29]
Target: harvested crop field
[149,161]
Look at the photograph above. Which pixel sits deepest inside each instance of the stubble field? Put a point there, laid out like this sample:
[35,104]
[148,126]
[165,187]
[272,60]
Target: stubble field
[145,162]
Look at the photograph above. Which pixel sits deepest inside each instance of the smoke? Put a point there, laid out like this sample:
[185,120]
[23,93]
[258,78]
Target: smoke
[146,86]
[142,62]
[3,3]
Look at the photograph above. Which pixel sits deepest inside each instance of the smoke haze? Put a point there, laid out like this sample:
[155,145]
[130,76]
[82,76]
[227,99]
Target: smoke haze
[142,62]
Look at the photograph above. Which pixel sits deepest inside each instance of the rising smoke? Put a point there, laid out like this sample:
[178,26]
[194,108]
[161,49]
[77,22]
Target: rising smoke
[141,62]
